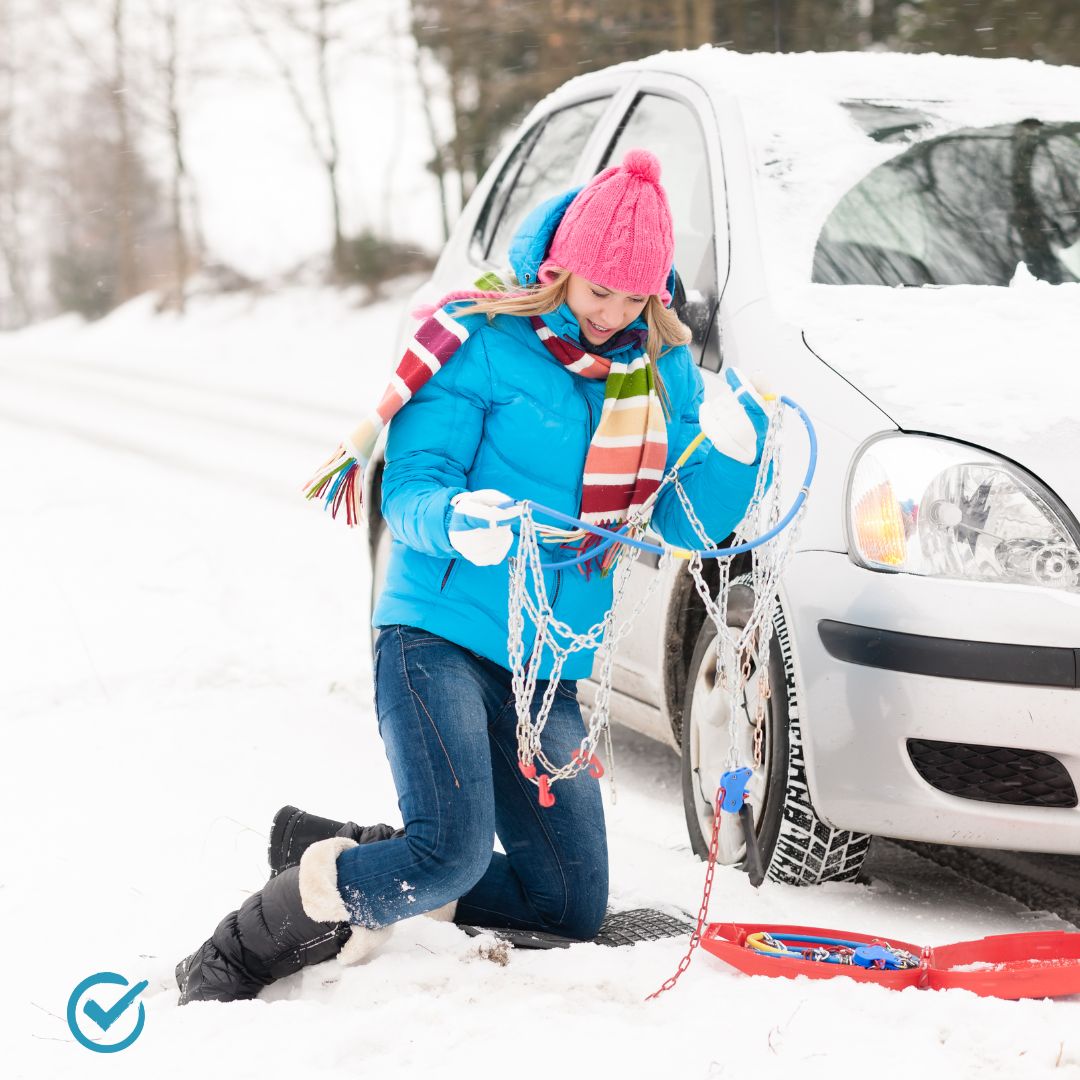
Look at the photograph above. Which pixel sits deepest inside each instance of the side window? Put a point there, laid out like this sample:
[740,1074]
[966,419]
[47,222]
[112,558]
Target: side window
[496,200]
[670,129]
[542,165]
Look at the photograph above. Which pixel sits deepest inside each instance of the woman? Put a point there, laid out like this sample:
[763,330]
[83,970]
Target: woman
[576,393]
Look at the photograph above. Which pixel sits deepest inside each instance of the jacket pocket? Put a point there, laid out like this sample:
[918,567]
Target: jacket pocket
[450,567]
[558,587]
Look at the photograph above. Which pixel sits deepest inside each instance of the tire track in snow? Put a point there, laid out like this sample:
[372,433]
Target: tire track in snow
[218,474]
[1039,882]
[210,411]
[137,416]
[113,371]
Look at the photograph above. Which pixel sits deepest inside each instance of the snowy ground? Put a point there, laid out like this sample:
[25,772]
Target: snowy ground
[185,649]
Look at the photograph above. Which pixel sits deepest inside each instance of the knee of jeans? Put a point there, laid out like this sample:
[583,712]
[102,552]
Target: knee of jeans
[455,858]
[574,907]
[585,899]
[584,917]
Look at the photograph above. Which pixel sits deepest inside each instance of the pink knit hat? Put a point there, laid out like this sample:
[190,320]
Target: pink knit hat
[617,231]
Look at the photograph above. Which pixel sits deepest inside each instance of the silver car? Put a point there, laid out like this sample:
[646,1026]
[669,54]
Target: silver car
[894,242]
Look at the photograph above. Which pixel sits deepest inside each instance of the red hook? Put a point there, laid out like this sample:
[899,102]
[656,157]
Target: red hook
[595,768]
[546,798]
[528,770]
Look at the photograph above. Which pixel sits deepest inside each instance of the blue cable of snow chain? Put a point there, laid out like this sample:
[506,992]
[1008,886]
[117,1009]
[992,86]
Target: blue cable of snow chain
[706,553]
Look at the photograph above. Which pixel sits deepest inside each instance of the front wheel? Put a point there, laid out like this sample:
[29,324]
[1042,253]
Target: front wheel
[797,846]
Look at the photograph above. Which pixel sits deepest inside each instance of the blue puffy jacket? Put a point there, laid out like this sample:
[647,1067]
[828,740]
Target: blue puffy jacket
[503,413]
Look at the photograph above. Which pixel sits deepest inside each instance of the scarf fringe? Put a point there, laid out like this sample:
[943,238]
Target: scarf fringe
[338,483]
[425,311]
[603,562]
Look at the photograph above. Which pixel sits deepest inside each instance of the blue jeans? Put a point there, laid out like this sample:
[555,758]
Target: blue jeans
[447,719]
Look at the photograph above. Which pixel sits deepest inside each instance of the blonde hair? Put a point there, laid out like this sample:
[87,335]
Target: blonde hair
[666,329]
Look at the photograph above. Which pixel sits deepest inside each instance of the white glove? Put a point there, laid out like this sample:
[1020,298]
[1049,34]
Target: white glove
[735,421]
[476,527]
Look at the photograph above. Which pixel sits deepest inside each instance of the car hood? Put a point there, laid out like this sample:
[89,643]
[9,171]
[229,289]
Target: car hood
[996,367]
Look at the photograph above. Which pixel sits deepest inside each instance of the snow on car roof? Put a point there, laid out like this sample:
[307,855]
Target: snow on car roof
[808,148]
[810,124]
[841,75]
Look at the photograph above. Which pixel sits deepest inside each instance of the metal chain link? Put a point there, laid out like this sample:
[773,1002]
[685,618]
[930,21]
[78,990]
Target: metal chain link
[562,641]
[741,651]
[703,911]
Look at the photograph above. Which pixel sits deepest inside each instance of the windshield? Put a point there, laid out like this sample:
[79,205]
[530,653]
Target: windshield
[976,206]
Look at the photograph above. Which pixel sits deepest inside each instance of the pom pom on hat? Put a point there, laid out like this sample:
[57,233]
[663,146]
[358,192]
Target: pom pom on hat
[618,231]
[643,164]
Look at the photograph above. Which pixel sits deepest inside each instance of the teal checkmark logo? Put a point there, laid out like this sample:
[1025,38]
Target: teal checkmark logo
[103,1014]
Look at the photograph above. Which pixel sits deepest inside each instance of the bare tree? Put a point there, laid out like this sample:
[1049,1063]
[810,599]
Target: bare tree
[437,165]
[12,177]
[680,24]
[110,72]
[703,25]
[128,256]
[498,59]
[315,24]
[144,61]
[87,260]
[885,17]
[1049,30]
[183,203]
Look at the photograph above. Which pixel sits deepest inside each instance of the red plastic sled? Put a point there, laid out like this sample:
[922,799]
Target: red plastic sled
[1012,966]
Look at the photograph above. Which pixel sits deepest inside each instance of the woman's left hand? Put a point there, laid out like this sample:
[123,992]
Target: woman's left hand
[478,526]
[735,420]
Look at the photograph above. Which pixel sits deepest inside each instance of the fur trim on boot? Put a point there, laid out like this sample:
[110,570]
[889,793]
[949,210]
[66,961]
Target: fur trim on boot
[321,899]
[362,943]
[318,880]
[445,913]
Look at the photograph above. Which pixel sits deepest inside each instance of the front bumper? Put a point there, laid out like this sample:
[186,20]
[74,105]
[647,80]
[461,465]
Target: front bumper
[871,677]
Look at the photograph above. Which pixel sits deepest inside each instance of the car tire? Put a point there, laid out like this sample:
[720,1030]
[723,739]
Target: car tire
[797,846]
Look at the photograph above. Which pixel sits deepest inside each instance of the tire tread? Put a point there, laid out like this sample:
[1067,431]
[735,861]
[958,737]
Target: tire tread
[808,850]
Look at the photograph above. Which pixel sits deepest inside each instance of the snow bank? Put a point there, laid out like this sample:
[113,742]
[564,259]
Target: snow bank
[186,650]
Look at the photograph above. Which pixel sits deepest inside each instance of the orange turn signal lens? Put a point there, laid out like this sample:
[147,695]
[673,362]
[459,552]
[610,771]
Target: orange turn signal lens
[878,523]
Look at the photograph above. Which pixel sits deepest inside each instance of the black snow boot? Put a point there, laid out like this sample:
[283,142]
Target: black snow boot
[294,831]
[297,919]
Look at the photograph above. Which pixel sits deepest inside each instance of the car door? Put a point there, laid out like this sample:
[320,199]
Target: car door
[673,117]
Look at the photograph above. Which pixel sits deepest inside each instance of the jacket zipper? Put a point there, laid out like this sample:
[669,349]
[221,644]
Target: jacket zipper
[588,406]
[558,586]
[590,430]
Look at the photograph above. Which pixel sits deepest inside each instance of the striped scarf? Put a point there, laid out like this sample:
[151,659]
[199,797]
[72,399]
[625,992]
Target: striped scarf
[626,458]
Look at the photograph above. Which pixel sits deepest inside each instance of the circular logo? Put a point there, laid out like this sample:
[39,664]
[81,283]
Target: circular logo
[103,1015]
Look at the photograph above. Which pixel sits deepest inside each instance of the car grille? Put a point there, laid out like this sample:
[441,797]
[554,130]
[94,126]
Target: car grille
[997,774]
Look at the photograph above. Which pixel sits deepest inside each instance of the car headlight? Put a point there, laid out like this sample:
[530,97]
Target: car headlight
[930,506]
